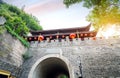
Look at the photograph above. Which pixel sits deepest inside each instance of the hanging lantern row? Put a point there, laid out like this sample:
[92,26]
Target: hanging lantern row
[85,35]
[71,36]
[39,38]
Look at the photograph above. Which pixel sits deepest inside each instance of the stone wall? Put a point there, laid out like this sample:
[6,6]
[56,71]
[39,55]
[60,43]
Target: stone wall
[98,58]
[91,57]
[15,71]
[11,49]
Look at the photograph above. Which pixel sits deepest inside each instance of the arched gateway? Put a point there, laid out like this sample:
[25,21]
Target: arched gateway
[51,66]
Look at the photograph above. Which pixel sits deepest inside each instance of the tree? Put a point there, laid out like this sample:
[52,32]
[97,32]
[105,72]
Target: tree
[18,23]
[103,11]
[86,3]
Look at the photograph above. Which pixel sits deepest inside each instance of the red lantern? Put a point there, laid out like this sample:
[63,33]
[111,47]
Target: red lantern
[94,38]
[81,35]
[85,34]
[30,38]
[40,38]
[35,38]
[50,37]
[57,36]
[72,35]
[63,36]
[91,34]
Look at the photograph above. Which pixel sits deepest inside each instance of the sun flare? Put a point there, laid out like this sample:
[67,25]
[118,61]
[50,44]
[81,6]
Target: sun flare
[111,30]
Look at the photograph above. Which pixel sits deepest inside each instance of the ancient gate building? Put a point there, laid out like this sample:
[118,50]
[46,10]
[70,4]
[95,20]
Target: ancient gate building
[71,53]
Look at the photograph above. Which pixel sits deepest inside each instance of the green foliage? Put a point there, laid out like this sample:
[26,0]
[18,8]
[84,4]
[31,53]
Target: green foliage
[86,3]
[26,55]
[62,76]
[103,11]
[18,22]
[70,2]
[102,15]
[92,3]
[32,23]
[2,29]
[12,13]
[23,41]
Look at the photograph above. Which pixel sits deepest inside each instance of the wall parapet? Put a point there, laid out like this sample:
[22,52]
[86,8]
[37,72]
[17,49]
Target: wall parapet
[76,42]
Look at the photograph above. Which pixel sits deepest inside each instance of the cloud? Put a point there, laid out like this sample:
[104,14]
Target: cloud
[47,7]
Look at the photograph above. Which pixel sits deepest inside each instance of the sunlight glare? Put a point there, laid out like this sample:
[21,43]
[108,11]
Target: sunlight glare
[111,30]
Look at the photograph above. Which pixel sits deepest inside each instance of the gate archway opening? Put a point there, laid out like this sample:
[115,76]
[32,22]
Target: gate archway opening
[51,67]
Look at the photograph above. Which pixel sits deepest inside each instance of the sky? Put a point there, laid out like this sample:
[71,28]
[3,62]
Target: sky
[53,14]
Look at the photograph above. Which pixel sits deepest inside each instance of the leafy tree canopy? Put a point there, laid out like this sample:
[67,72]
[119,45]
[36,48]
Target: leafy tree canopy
[103,11]
[18,20]
[18,23]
